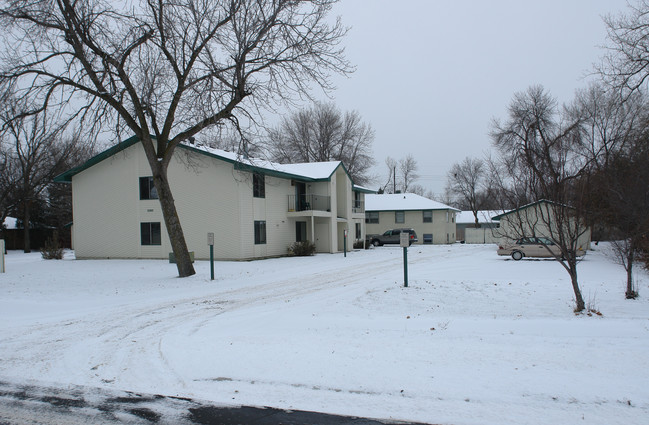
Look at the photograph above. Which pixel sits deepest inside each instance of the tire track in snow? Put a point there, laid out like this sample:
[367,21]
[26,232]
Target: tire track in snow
[187,314]
[99,348]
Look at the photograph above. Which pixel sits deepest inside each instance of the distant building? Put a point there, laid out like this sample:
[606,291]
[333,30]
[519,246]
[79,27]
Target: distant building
[433,221]
[468,233]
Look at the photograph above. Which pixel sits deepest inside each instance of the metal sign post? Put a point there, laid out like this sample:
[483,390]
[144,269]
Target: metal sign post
[210,242]
[404,241]
[345,243]
[2,255]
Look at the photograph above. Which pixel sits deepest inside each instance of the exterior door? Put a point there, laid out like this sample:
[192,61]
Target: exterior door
[300,196]
[300,231]
[322,237]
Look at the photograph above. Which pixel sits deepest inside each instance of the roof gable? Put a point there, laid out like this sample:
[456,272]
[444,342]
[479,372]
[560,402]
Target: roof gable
[67,176]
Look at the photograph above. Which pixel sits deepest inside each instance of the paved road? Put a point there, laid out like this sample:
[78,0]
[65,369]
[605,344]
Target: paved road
[25,404]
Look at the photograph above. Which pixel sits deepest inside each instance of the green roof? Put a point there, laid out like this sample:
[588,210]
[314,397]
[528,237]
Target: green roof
[66,177]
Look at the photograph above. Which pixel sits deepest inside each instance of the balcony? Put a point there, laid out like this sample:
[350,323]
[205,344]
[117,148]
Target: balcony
[309,203]
[358,207]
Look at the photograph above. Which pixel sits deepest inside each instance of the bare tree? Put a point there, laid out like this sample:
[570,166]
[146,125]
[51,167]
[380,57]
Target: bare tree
[164,71]
[614,143]
[391,164]
[8,181]
[38,152]
[626,63]
[418,189]
[324,133]
[401,174]
[408,168]
[466,180]
[445,197]
[539,149]
[618,197]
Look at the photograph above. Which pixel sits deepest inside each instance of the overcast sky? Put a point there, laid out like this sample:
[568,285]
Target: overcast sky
[431,75]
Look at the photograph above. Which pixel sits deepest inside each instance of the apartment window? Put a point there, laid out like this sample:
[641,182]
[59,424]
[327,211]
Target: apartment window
[258,185]
[427,216]
[372,217]
[150,234]
[260,232]
[358,231]
[399,217]
[147,188]
[428,238]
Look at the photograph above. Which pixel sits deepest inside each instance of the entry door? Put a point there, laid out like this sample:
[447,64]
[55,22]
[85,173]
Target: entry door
[322,237]
[300,231]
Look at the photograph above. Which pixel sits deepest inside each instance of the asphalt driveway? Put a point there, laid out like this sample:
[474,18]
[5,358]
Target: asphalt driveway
[76,405]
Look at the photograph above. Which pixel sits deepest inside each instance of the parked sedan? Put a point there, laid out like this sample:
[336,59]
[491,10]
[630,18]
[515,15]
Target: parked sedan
[532,247]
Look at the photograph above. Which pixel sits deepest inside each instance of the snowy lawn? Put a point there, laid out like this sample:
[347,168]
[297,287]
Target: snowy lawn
[475,339]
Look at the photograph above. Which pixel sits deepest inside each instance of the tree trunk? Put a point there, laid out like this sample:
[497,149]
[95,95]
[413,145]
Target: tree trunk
[579,300]
[27,247]
[172,223]
[630,292]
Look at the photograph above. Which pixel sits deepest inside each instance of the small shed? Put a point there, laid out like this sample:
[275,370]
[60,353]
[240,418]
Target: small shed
[467,231]
[544,219]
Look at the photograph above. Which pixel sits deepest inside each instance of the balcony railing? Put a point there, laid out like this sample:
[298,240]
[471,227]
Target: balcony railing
[309,203]
[358,206]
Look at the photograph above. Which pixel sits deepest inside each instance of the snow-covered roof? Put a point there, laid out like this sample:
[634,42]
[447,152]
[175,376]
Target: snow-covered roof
[308,171]
[484,216]
[363,189]
[311,170]
[402,202]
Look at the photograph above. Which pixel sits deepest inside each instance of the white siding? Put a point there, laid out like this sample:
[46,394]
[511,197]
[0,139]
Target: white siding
[440,227]
[205,193]
[532,221]
[210,196]
[481,235]
[280,231]
[106,208]
[108,211]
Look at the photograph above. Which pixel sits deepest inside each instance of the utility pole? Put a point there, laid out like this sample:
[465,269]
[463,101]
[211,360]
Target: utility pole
[394,179]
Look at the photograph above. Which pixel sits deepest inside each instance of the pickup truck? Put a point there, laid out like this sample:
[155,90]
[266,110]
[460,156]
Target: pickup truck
[391,236]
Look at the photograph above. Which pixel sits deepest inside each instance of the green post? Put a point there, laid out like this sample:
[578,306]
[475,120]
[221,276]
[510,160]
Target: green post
[212,262]
[2,256]
[210,242]
[405,267]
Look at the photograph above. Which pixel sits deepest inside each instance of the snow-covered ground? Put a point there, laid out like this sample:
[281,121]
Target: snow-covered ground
[474,339]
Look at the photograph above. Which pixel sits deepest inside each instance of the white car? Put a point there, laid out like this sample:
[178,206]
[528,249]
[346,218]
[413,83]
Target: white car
[532,247]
